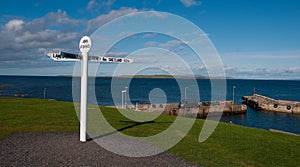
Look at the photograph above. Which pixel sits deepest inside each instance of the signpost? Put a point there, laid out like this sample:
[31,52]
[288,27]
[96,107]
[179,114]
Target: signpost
[85,45]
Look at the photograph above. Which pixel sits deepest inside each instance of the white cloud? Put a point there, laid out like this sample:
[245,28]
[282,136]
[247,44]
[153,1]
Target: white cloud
[29,40]
[262,73]
[294,70]
[116,54]
[24,43]
[14,25]
[107,3]
[99,4]
[172,43]
[151,44]
[266,55]
[149,35]
[153,13]
[176,46]
[95,23]
[189,3]
[92,4]
[260,60]
[58,20]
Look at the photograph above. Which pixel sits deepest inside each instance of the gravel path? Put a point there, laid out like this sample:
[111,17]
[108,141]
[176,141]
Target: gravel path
[64,149]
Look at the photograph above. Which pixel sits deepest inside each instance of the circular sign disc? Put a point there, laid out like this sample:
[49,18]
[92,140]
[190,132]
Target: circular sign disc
[85,44]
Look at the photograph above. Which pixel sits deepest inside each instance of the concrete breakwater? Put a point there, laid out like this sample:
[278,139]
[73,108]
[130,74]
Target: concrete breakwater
[264,103]
[190,108]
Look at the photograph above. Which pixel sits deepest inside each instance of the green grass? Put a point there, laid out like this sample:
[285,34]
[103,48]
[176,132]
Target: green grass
[229,145]
[36,115]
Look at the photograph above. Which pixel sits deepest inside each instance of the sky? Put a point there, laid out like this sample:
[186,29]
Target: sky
[257,39]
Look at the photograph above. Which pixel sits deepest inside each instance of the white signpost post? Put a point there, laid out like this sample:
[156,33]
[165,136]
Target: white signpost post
[85,45]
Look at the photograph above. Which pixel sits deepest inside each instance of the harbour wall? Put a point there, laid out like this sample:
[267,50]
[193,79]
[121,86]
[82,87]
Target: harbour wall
[192,109]
[264,103]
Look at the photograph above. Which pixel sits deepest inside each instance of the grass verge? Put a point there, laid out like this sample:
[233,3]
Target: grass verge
[229,145]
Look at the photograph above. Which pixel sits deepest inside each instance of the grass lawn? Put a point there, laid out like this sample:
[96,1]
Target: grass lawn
[229,145]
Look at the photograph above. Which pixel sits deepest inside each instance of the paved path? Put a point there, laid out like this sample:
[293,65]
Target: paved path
[64,149]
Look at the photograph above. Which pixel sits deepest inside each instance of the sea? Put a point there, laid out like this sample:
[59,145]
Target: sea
[106,91]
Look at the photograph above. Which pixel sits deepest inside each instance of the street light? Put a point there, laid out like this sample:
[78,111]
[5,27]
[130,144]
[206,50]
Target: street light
[233,94]
[233,98]
[123,92]
[185,92]
[45,93]
[125,96]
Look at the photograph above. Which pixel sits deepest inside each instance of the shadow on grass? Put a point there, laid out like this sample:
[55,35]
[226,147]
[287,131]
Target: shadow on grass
[124,128]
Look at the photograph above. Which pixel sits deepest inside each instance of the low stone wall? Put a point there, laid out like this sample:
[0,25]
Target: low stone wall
[260,102]
[201,110]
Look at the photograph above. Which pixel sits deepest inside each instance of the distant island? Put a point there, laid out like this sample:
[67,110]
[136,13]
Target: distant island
[153,76]
[162,76]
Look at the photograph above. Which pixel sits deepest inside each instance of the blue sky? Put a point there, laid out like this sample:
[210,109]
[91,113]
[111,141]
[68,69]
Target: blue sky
[255,39]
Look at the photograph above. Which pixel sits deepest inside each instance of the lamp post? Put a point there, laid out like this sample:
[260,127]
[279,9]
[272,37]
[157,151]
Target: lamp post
[185,92]
[45,93]
[123,92]
[233,88]
[125,99]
